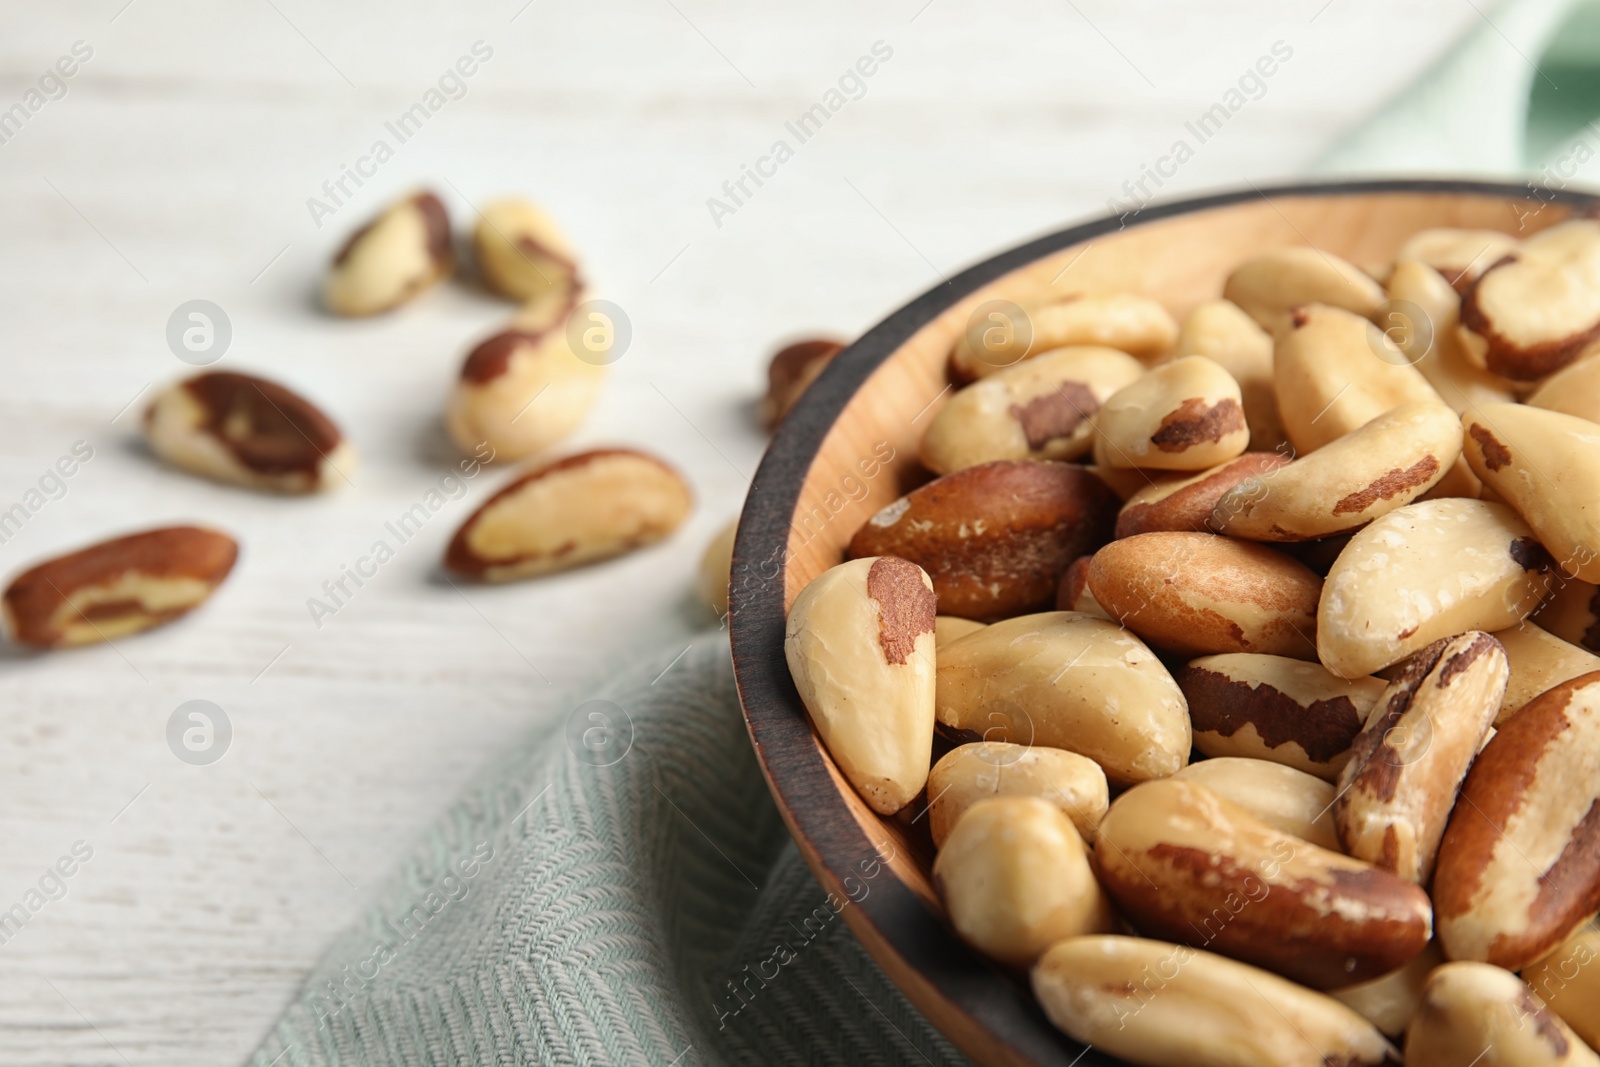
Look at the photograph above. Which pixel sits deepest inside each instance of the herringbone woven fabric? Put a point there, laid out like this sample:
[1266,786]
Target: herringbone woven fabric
[574,910]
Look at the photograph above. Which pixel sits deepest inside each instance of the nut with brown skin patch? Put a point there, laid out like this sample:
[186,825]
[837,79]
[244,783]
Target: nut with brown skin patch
[1519,867]
[1474,1015]
[1184,864]
[1152,1002]
[573,511]
[860,646]
[1195,594]
[1186,504]
[1184,415]
[117,587]
[970,773]
[1070,681]
[1335,372]
[1224,334]
[1042,408]
[1457,256]
[1396,793]
[1539,659]
[523,255]
[523,389]
[1537,309]
[996,537]
[247,431]
[394,258]
[792,370]
[1274,708]
[1546,465]
[1269,286]
[1429,570]
[1129,323]
[1369,472]
[1015,878]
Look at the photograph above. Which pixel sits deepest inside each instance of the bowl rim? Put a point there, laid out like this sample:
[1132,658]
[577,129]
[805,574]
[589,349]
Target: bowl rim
[780,730]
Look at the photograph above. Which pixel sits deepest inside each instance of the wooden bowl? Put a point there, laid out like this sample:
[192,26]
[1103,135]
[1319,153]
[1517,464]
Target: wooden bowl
[850,447]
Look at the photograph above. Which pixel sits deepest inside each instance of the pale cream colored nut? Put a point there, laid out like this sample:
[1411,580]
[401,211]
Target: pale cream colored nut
[995,537]
[575,510]
[1275,708]
[523,389]
[1568,981]
[1224,334]
[860,647]
[1390,1002]
[1546,465]
[1539,661]
[1369,472]
[716,569]
[1166,1005]
[1073,592]
[1573,613]
[1197,593]
[245,430]
[1396,793]
[393,258]
[1065,680]
[1519,868]
[1270,286]
[948,628]
[1573,390]
[1133,324]
[117,587]
[1432,342]
[1282,797]
[792,370]
[1015,879]
[1039,409]
[970,773]
[1335,372]
[1184,864]
[1457,256]
[1186,504]
[1475,1015]
[1184,415]
[1432,569]
[1537,309]
[522,254]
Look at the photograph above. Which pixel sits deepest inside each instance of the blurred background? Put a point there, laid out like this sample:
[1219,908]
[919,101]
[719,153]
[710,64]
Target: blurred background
[195,153]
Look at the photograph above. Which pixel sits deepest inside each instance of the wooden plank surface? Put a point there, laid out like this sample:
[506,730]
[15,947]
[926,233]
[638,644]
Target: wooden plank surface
[178,165]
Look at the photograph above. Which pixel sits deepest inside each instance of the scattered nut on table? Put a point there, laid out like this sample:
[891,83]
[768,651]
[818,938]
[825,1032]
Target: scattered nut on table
[523,255]
[523,389]
[392,259]
[117,587]
[248,431]
[575,510]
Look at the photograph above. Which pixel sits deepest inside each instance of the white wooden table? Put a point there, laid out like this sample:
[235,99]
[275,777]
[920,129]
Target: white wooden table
[178,166]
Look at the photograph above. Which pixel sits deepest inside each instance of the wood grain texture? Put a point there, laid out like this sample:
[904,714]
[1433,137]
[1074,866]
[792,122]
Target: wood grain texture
[881,389]
[178,166]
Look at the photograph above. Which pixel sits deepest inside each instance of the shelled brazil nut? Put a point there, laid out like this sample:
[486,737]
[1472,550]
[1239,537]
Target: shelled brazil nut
[397,256]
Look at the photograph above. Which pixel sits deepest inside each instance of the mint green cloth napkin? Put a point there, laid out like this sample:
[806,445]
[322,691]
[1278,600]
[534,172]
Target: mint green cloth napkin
[622,891]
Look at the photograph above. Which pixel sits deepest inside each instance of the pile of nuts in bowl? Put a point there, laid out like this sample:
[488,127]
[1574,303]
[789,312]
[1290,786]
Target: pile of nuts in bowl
[1335,538]
[520,391]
